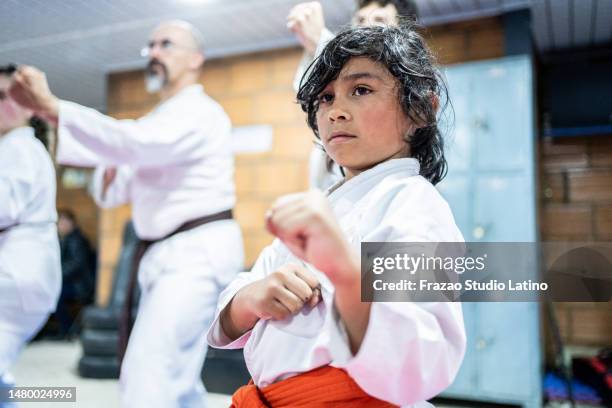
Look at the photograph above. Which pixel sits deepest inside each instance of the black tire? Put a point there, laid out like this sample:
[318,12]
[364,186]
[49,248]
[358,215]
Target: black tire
[100,342]
[101,318]
[99,367]
[224,371]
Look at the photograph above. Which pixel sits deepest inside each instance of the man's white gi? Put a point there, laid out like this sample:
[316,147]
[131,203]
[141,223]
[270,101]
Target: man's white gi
[174,165]
[411,351]
[30,268]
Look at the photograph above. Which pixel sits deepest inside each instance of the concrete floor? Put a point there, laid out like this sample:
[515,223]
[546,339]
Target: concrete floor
[50,363]
[53,363]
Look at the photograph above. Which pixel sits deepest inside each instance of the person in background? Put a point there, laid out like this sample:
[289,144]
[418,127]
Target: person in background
[307,22]
[78,271]
[175,166]
[30,272]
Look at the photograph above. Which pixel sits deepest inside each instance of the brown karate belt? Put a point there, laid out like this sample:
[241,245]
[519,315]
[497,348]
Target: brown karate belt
[125,321]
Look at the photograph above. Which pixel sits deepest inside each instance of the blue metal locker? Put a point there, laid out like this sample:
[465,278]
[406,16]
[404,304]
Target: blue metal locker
[491,189]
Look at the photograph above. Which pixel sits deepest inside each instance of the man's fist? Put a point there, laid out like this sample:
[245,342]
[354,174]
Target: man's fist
[31,90]
[307,22]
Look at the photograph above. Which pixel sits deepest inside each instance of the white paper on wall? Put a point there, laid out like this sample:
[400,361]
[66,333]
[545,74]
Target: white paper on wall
[252,139]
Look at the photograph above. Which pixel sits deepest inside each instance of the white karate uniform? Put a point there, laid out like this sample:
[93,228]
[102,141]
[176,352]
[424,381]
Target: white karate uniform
[30,268]
[307,58]
[411,351]
[174,165]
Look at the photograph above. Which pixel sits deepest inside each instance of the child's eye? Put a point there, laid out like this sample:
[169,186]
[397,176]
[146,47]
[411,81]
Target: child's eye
[325,98]
[361,90]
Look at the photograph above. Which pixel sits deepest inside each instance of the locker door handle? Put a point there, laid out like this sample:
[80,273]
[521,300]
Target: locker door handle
[479,232]
[483,343]
[481,124]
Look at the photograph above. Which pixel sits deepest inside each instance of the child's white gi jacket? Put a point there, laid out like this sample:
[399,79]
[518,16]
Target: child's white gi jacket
[411,351]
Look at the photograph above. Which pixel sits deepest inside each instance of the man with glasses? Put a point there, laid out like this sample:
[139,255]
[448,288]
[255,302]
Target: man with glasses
[175,167]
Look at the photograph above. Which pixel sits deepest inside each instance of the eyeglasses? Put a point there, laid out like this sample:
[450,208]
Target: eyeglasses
[164,45]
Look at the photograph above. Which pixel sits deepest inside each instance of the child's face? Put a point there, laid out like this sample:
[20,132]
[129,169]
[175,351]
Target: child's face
[360,120]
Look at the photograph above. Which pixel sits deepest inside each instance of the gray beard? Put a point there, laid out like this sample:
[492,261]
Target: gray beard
[154,83]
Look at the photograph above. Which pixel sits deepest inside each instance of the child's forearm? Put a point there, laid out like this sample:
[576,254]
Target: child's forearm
[354,313]
[236,318]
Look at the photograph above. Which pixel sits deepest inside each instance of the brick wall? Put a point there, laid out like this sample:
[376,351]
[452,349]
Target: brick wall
[576,205]
[467,41]
[256,89]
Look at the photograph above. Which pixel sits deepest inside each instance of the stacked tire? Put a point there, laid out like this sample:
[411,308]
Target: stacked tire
[100,339]
[224,370]
[100,334]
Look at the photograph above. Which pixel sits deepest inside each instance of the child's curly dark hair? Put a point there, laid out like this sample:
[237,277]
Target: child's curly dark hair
[404,53]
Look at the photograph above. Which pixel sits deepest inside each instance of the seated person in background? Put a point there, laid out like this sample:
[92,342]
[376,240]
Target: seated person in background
[78,270]
[307,22]
[308,339]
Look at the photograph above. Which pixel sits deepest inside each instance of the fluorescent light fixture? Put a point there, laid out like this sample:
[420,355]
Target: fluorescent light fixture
[195,2]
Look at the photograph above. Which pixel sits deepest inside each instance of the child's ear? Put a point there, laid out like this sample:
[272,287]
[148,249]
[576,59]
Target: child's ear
[412,128]
[418,120]
[421,120]
[435,102]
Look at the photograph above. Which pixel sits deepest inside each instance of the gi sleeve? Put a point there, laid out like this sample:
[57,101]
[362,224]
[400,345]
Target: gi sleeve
[307,59]
[118,192]
[216,337]
[411,351]
[88,138]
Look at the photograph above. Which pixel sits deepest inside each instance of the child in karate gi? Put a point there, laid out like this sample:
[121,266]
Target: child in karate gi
[372,99]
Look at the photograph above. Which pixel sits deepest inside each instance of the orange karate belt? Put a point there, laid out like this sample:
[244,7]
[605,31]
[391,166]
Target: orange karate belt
[326,386]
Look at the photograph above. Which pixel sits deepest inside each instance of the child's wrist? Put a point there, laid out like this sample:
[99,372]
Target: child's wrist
[246,315]
[348,273]
[236,318]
